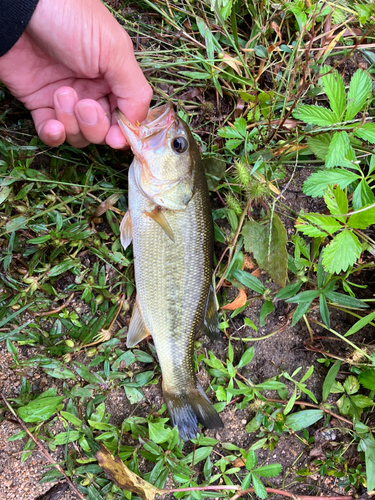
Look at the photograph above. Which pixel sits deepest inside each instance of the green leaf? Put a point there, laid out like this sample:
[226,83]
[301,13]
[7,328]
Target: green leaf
[246,357]
[362,195]
[345,300]
[318,182]
[66,437]
[259,488]
[366,132]
[343,251]
[330,378]
[359,90]
[289,291]
[324,310]
[4,193]
[270,385]
[336,201]
[367,379]
[196,75]
[158,432]
[251,460]
[291,402]
[270,470]
[265,310]
[369,442]
[361,401]
[268,245]
[71,418]
[317,115]
[360,324]
[335,89]
[337,149]
[362,220]
[301,309]
[63,267]
[351,385]
[41,409]
[308,296]
[319,145]
[303,419]
[198,455]
[316,225]
[249,281]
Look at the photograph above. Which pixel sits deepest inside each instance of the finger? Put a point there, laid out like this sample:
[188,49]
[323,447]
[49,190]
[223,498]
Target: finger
[50,130]
[93,120]
[127,81]
[65,100]
[115,138]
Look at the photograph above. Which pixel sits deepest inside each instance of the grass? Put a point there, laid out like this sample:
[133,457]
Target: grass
[279,97]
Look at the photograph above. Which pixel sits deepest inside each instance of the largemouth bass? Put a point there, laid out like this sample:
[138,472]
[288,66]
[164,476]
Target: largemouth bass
[169,221]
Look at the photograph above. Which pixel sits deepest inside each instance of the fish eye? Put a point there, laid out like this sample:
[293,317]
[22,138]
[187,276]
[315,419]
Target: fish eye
[179,145]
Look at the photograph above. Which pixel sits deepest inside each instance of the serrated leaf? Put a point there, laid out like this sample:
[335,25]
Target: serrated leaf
[362,196]
[343,251]
[158,433]
[268,245]
[362,220]
[336,201]
[359,90]
[317,225]
[270,470]
[303,419]
[317,115]
[318,182]
[335,89]
[367,379]
[337,149]
[251,460]
[330,378]
[259,488]
[366,132]
[319,145]
[351,385]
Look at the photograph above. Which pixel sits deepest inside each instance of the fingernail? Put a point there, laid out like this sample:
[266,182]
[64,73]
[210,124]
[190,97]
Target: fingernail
[88,114]
[66,102]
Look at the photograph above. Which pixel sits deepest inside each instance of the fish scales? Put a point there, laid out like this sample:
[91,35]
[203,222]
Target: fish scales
[169,221]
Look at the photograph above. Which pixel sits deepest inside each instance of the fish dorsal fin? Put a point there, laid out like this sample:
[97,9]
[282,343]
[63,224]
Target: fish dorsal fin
[210,323]
[159,217]
[137,329]
[126,230]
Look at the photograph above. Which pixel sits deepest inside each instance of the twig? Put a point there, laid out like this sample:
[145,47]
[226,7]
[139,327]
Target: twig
[42,449]
[54,311]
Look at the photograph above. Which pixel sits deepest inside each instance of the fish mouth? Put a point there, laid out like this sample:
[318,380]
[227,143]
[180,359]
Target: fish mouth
[157,119]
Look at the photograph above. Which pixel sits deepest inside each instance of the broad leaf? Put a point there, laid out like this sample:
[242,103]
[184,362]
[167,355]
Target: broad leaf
[317,225]
[302,419]
[316,184]
[359,89]
[362,195]
[337,149]
[330,378]
[335,89]
[270,470]
[336,201]
[268,245]
[259,488]
[366,132]
[367,379]
[41,409]
[249,281]
[343,251]
[265,310]
[362,220]
[319,145]
[317,115]
[345,300]
[215,170]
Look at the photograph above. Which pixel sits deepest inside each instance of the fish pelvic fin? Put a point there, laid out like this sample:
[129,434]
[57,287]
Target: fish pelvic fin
[210,323]
[137,329]
[159,217]
[126,230]
[188,409]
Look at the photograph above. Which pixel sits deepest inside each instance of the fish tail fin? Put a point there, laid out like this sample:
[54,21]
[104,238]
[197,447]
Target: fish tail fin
[188,409]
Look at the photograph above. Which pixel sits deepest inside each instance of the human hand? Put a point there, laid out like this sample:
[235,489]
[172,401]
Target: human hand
[72,67]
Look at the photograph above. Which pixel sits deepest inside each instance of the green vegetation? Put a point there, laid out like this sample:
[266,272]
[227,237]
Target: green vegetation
[280,99]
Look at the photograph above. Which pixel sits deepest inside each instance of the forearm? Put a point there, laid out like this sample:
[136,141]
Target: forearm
[14,17]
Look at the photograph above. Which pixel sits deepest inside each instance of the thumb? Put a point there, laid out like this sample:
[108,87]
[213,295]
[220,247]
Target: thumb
[127,82]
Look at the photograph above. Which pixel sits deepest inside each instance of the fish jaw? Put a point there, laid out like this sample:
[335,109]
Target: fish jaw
[163,175]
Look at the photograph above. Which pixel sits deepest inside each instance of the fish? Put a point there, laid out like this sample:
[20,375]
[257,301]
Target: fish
[170,224]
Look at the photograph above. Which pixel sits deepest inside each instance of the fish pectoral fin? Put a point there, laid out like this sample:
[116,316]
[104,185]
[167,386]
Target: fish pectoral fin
[137,329]
[126,230]
[159,217]
[210,323]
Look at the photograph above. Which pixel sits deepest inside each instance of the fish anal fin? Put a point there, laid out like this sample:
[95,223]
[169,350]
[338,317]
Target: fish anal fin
[159,217]
[210,323]
[190,408]
[137,329]
[126,230]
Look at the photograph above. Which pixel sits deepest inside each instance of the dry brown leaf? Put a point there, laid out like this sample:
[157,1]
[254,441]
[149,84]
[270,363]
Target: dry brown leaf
[334,42]
[124,478]
[238,462]
[276,28]
[232,62]
[257,272]
[239,301]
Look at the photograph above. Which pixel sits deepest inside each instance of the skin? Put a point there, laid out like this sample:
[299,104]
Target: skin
[72,67]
